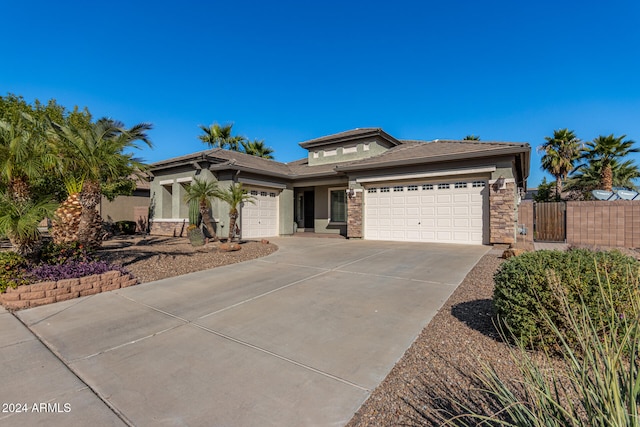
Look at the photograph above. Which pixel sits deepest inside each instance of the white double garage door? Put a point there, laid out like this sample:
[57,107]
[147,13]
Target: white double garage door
[446,212]
[260,219]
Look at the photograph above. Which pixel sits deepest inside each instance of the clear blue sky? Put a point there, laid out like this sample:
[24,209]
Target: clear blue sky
[288,71]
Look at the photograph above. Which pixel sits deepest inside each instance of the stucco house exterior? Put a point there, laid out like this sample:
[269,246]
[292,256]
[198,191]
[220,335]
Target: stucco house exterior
[362,183]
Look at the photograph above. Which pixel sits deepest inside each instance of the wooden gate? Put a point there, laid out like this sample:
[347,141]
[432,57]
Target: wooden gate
[550,222]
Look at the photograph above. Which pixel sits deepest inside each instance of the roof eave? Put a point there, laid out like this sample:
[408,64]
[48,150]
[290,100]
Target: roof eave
[341,138]
[441,158]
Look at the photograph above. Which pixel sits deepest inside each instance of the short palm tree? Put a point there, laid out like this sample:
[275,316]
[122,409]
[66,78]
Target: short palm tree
[257,148]
[96,153]
[588,176]
[202,191]
[19,221]
[472,138]
[606,151]
[234,196]
[561,151]
[217,136]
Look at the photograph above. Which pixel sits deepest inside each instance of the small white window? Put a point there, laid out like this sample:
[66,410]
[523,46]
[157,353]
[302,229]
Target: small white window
[412,188]
[372,190]
[427,186]
[254,193]
[315,154]
[328,153]
[477,184]
[272,194]
[384,189]
[460,185]
[444,186]
[263,193]
[365,147]
[398,188]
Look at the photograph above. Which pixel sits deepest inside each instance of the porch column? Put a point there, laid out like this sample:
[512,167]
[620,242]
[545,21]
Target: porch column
[354,214]
[502,211]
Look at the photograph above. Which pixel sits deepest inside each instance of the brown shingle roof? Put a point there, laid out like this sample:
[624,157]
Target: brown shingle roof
[413,151]
[349,135]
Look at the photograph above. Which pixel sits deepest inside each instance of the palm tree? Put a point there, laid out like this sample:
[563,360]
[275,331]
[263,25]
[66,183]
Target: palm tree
[234,196]
[471,138]
[561,152]
[257,148]
[606,151]
[202,192]
[19,221]
[217,136]
[588,176]
[24,158]
[24,155]
[96,153]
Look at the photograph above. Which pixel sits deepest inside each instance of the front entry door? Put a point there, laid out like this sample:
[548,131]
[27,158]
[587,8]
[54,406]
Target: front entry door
[309,209]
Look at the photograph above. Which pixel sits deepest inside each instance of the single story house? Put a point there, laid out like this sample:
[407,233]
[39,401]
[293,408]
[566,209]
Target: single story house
[362,183]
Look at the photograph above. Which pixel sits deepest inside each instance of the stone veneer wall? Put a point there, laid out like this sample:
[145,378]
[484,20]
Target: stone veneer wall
[49,292]
[502,213]
[354,216]
[176,228]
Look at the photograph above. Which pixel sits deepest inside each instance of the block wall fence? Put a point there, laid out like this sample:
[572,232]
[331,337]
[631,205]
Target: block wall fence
[593,223]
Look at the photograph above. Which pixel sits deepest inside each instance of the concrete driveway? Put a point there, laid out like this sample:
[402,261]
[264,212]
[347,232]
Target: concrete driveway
[298,338]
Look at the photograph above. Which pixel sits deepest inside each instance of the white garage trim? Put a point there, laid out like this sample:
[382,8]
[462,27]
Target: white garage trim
[260,219]
[418,175]
[262,183]
[442,211]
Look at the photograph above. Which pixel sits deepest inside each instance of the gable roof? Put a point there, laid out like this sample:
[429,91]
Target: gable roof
[402,153]
[349,135]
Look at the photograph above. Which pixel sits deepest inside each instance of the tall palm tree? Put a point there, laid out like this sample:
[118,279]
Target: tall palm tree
[217,136]
[561,150]
[606,151]
[202,192]
[97,153]
[257,148]
[234,196]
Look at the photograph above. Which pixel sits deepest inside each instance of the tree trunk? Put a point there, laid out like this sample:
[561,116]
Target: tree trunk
[558,188]
[66,220]
[233,216]
[206,219]
[607,178]
[90,226]
[19,190]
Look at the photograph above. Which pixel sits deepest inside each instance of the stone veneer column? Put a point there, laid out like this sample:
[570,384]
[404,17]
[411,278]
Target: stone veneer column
[354,215]
[502,212]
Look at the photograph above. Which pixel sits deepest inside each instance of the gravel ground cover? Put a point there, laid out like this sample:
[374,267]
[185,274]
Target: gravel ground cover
[156,257]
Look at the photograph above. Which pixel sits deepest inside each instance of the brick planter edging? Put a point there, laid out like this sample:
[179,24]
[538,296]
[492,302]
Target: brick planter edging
[49,292]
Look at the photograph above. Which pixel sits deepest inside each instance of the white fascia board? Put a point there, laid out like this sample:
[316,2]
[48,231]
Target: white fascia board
[187,179]
[166,182]
[434,174]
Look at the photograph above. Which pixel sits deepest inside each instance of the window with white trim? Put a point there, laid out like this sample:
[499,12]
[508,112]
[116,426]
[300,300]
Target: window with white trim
[384,189]
[460,185]
[398,188]
[477,184]
[263,193]
[372,190]
[412,188]
[444,186]
[254,192]
[427,186]
[337,205]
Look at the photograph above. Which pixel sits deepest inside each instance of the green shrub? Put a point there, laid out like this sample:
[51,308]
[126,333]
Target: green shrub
[55,254]
[126,227]
[596,380]
[528,288]
[13,270]
[196,236]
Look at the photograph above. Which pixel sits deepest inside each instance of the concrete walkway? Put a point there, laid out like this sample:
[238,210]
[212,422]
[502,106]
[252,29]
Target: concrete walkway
[298,338]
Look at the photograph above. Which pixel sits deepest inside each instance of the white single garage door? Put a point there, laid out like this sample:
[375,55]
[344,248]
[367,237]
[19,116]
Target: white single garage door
[260,219]
[446,212]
